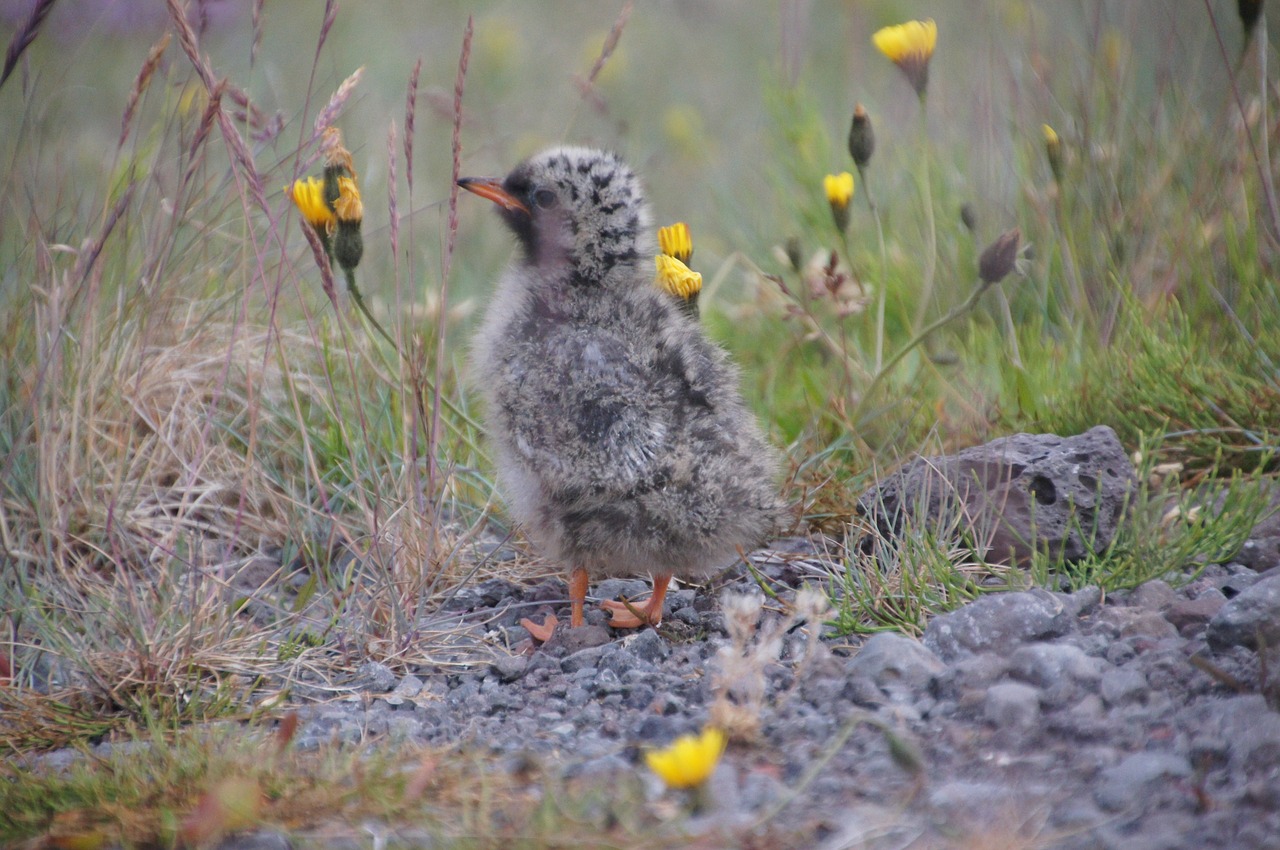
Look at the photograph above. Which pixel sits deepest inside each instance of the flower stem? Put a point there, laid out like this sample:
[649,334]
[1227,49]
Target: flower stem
[926,189]
[953,314]
[882,295]
[359,299]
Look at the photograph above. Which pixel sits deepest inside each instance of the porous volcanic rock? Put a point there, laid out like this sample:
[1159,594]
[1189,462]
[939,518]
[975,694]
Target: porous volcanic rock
[1014,496]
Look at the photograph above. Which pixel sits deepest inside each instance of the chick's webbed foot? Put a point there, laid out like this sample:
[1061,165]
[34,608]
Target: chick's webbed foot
[624,614]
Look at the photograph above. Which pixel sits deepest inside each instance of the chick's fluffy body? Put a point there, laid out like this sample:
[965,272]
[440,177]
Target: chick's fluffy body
[622,443]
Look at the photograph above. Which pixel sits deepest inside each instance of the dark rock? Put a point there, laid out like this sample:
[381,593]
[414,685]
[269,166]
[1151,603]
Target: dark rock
[1189,615]
[1252,616]
[1016,495]
[998,622]
[1261,551]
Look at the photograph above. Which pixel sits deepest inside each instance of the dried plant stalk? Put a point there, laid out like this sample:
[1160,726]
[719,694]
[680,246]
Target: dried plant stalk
[140,84]
[25,34]
[410,111]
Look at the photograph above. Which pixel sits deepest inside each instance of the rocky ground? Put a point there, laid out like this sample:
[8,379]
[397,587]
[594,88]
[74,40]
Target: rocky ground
[1141,720]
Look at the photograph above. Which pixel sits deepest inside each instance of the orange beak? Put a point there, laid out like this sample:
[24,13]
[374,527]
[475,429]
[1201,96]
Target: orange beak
[491,188]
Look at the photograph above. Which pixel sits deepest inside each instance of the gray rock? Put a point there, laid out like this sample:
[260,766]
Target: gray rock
[409,687]
[1126,784]
[647,645]
[510,667]
[1050,665]
[372,676]
[1016,495]
[890,659]
[1122,686]
[583,659]
[1012,705]
[260,839]
[998,622]
[1155,595]
[1083,602]
[1249,617]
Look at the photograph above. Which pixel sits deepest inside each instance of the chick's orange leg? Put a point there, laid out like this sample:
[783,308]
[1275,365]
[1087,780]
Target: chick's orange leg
[623,614]
[577,596]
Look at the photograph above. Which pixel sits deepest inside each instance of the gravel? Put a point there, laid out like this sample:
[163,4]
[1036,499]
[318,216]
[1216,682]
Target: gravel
[1139,720]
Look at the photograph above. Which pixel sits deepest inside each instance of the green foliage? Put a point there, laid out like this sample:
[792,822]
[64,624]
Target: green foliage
[1203,392]
[1170,531]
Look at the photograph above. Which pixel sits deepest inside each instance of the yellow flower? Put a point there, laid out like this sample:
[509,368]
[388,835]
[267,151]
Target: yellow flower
[348,206]
[1050,135]
[675,241]
[690,760]
[309,196]
[839,188]
[676,278]
[910,46]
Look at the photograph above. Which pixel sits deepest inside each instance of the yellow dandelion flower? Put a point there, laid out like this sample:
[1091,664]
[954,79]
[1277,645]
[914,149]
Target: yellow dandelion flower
[675,241]
[1053,150]
[308,194]
[677,279]
[349,207]
[690,760]
[910,46]
[839,189]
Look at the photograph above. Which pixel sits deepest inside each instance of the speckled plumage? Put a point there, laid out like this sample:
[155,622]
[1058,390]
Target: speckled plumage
[622,442]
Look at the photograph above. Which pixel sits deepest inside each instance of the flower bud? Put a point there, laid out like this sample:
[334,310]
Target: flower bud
[862,139]
[1000,257]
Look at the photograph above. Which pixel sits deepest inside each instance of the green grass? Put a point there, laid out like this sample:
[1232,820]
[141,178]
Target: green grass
[180,395]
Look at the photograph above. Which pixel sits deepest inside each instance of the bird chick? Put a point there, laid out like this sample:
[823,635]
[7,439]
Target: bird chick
[621,441]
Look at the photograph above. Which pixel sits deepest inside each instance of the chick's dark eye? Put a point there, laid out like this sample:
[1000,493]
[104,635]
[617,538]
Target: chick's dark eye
[545,198]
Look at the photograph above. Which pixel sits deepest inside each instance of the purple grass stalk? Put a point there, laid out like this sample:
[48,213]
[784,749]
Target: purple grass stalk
[410,111]
[88,258]
[322,262]
[331,109]
[202,131]
[610,42]
[391,196]
[459,84]
[330,15]
[587,87]
[140,84]
[257,31]
[24,35]
[190,44]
